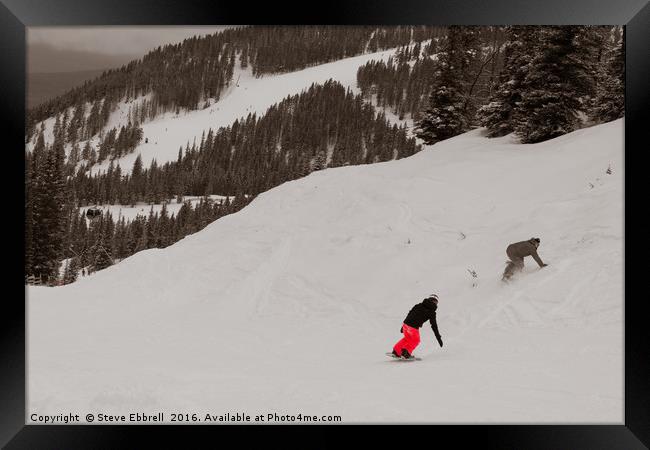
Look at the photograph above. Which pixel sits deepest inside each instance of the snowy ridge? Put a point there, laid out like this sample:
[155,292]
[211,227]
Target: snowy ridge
[305,289]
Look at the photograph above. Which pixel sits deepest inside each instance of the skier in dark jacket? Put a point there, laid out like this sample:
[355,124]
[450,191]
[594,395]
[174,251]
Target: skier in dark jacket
[416,317]
[517,252]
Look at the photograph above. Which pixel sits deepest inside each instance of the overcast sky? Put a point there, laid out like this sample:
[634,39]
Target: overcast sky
[63,49]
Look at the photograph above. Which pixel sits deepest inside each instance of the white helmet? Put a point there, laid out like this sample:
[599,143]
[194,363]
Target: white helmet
[433,298]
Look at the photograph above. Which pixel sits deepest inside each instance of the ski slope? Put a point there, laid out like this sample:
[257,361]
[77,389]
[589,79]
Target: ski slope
[289,305]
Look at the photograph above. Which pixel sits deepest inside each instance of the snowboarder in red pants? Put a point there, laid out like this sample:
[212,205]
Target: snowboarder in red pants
[416,317]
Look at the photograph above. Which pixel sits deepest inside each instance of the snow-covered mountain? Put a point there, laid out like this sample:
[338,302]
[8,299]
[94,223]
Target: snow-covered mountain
[247,94]
[289,305]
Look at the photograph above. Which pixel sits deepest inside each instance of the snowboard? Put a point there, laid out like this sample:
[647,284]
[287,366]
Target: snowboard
[415,358]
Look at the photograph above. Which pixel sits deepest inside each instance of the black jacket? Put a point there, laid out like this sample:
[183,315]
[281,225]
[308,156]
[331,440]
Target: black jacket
[422,312]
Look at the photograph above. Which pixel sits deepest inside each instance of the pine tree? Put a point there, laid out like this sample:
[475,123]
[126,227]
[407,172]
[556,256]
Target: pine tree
[93,121]
[101,252]
[164,230]
[30,173]
[47,214]
[320,160]
[555,82]
[610,97]
[445,116]
[71,271]
[85,153]
[93,156]
[498,116]
[136,177]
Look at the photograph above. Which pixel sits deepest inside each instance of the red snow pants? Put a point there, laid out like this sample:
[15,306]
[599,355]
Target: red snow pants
[410,340]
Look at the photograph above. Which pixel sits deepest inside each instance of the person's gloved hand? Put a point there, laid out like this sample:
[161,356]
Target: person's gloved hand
[401,330]
[544,265]
[439,340]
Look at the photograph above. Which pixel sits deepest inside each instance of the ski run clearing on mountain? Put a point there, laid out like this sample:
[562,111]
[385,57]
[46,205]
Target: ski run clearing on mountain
[289,305]
[247,94]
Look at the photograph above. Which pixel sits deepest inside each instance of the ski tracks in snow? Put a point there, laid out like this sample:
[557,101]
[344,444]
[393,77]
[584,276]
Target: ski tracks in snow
[255,289]
[523,307]
[533,303]
[263,279]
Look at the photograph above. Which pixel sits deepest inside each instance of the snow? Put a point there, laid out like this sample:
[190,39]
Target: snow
[289,305]
[120,115]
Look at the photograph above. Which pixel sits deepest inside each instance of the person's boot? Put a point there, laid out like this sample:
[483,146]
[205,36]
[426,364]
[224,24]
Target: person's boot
[395,354]
[406,354]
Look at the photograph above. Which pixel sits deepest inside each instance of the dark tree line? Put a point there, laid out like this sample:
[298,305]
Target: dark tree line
[325,126]
[553,77]
[183,75]
[272,50]
[92,245]
[46,207]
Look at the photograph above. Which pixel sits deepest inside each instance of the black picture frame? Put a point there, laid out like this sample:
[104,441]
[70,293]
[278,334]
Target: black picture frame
[16,15]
